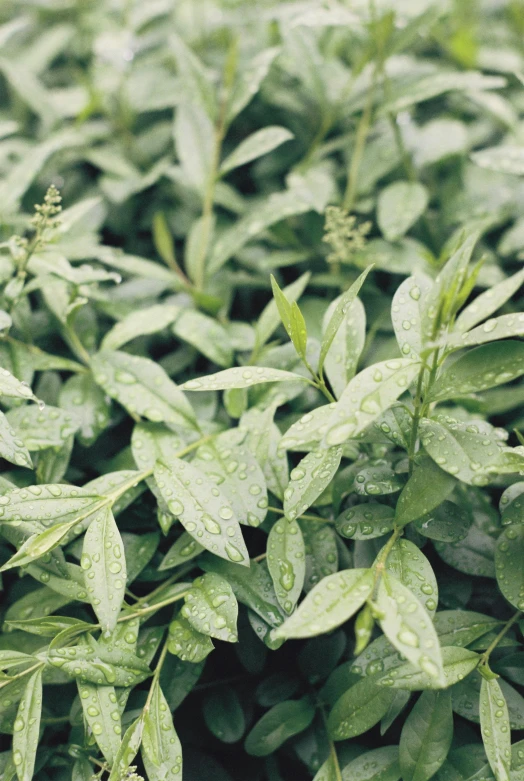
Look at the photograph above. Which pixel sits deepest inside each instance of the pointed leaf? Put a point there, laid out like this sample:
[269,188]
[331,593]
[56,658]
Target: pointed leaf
[335,599]
[426,736]
[211,607]
[202,509]
[399,207]
[278,725]
[508,562]
[409,566]
[286,562]
[240,377]
[495,728]
[12,448]
[358,709]
[104,564]
[150,320]
[161,749]
[257,144]
[186,642]
[307,480]
[102,714]
[426,489]
[27,727]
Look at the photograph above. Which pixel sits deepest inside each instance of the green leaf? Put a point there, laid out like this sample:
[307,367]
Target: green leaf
[446,523]
[425,490]
[497,328]
[128,749]
[240,377]
[399,207]
[341,361]
[39,544]
[462,627]
[161,749]
[479,369]
[101,712]
[472,555]
[239,476]
[12,448]
[98,665]
[457,664]
[202,509]
[368,394]
[488,302]
[193,134]
[266,213]
[40,429]
[150,320]
[358,709]
[186,642]
[27,727]
[495,728]
[269,319]
[286,559]
[508,563]
[408,626]
[205,334]
[183,549]
[104,564]
[12,388]
[407,309]
[278,725]
[257,144]
[426,736]
[211,607]
[504,159]
[309,478]
[366,521]
[48,626]
[461,449]
[321,553]
[340,312]
[81,397]
[248,81]
[332,602]
[379,764]
[142,387]
[409,566]
[309,429]
[224,716]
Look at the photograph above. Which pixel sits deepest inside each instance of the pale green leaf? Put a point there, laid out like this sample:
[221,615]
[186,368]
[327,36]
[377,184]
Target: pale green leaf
[408,626]
[286,559]
[410,566]
[307,480]
[368,394]
[492,330]
[257,144]
[161,749]
[150,320]
[104,564]
[495,728]
[100,708]
[142,387]
[241,377]
[332,602]
[366,521]
[40,429]
[205,334]
[488,302]
[12,448]
[504,159]
[406,314]
[186,642]
[457,663]
[399,207]
[211,607]
[81,396]
[27,727]
[342,358]
[508,562]
[194,140]
[202,509]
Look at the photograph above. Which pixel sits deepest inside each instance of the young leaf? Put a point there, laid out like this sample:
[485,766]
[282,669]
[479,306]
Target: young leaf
[342,308]
[161,749]
[128,749]
[371,392]
[309,479]
[202,509]
[488,302]
[27,727]
[239,377]
[335,599]
[399,207]
[142,387]
[278,725]
[341,361]
[408,627]
[269,319]
[426,736]
[495,728]
[104,565]
[211,607]
[406,314]
[286,560]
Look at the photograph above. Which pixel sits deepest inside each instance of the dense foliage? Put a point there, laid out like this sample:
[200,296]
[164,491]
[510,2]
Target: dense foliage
[261,499]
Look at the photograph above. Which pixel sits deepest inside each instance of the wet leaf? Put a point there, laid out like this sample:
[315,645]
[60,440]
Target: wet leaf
[426,736]
[508,563]
[399,207]
[161,749]
[495,728]
[211,607]
[278,725]
[309,478]
[358,709]
[240,378]
[27,727]
[286,559]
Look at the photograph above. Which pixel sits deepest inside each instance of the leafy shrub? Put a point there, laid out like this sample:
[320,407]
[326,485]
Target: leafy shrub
[293,531]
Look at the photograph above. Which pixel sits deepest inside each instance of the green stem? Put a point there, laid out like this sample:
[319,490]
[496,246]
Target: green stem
[152,608]
[156,676]
[77,346]
[22,674]
[360,142]
[484,659]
